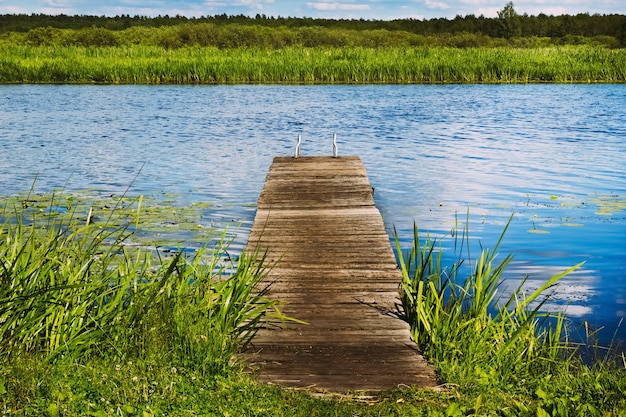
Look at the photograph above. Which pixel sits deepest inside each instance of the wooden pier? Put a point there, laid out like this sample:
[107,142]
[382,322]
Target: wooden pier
[335,270]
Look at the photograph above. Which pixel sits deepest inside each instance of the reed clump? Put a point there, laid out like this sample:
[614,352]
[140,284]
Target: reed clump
[505,350]
[77,290]
[141,64]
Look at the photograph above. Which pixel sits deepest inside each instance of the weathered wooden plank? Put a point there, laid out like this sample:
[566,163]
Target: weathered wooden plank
[333,267]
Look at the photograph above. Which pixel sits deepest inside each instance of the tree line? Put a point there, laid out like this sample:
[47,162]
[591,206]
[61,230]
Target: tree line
[233,31]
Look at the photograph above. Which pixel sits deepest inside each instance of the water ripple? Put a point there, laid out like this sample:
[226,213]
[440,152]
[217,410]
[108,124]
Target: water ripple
[552,155]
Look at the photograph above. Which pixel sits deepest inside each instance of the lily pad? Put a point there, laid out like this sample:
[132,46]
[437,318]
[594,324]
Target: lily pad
[609,204]
[153,221]
[538,231]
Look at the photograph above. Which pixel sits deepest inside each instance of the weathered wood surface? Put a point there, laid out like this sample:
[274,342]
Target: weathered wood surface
[335,270]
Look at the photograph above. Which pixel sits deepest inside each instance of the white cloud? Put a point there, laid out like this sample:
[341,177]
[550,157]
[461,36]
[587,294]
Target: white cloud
[432,4]
[235,6]
[12,10]
[474,3]
[378,9]
[255,4]
[487,11]
[551,10]
[62,4]
[337,6]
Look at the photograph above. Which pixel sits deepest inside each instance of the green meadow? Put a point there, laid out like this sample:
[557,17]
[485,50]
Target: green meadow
[317,65]
[96,320]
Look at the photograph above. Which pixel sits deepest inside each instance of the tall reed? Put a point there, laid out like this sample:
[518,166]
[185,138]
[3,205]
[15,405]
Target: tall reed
[210,65]
[74,289]
[459,321]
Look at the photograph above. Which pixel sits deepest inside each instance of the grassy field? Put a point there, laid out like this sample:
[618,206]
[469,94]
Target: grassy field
[317,65]
[93,321]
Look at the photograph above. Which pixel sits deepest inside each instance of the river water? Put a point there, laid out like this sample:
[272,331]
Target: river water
[551,156]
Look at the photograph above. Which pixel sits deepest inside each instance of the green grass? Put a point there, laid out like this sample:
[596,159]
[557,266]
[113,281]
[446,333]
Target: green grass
[446,309]
[298,65]
[505,349]
[72,288]
[91,326]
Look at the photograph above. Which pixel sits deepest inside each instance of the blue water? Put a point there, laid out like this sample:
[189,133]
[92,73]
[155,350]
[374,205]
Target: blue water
[553,156]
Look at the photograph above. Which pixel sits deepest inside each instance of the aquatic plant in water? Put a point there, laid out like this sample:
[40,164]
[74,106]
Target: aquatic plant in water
[458,321]
[71,287]
[153,221]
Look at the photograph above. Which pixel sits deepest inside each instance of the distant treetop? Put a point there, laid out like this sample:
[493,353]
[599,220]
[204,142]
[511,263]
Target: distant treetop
[507,25]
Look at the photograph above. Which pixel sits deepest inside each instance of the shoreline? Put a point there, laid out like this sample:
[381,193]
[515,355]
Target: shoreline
[149,65]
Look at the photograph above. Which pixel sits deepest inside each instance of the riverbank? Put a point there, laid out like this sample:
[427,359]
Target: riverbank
[318,65]
[92,325]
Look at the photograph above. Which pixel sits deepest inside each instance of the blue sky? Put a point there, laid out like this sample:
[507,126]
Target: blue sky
[335,9]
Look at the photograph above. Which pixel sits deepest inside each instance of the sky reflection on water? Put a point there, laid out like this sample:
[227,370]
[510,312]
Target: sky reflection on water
[552,155]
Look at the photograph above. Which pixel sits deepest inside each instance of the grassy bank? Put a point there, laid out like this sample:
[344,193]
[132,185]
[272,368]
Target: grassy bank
[296,65]
[91,323]
[501,347]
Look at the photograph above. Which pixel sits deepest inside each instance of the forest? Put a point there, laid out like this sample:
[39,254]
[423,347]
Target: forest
[507,29]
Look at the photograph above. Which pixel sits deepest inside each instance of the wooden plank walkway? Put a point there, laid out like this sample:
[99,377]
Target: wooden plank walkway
[336,271]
